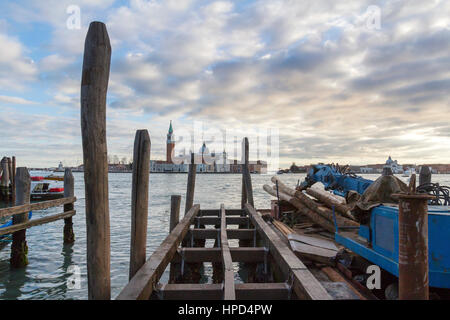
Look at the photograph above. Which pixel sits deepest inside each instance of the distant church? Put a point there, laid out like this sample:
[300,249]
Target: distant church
[203,160]
[168,165]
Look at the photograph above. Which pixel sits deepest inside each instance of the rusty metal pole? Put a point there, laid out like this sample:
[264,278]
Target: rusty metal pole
[413,245]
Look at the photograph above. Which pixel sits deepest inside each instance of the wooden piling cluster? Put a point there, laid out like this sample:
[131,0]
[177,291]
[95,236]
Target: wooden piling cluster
[7,181]
[20,214]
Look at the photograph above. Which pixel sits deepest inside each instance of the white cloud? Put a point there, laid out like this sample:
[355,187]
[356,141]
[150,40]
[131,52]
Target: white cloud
[336,89]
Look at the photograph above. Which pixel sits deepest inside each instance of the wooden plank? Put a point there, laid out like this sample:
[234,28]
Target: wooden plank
[216,220]
[262,291]
[303,250]
[193,291]
[337,277]
[244,291]
[228,290]
[36,222]
[94,86]
[246,234]
[304,283]
[139,200]
[141,285]
[25,208]
[215,254]
[216,212]
[321,243]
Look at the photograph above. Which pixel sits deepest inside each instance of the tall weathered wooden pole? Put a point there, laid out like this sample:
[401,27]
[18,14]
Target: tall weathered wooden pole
[69,191]
[4,187]
[175,201]
[94,85]
[246,173]
[19,248]
[13,180]
[139,200]
[190,184]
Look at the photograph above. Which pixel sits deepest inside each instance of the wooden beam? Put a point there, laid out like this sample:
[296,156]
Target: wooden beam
[215,254]
[246,234]
[216,212]
[244,291]
[94,86]
[141,285]
[262,291]
[227,262]
[216,220]
[193,291]
[305,285]
[139,200]
[36,222]
[25,208]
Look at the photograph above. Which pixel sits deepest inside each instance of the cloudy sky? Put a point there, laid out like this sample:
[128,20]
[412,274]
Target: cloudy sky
[342,81]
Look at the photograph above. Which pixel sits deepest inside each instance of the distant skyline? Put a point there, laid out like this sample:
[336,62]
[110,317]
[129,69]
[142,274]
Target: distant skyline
[349,82]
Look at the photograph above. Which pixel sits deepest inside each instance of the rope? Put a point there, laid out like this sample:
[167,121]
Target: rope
[442,193]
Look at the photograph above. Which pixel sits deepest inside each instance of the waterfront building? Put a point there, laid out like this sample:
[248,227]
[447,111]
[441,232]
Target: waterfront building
[393,164]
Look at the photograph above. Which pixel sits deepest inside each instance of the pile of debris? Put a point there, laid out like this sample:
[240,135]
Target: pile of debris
[321,207]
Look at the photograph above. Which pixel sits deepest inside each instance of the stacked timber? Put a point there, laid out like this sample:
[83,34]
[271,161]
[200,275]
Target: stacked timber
[317,205]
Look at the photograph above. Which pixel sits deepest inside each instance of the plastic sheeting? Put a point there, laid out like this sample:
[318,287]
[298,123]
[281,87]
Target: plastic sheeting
[378,193]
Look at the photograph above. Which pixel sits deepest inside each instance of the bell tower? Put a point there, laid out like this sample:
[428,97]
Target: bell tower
[170,144]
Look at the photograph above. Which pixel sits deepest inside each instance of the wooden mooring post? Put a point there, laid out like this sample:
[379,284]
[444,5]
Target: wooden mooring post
[425,175]
[247,197]
[190,184]
[246,178]
[175,202]
[69,191]
[94,85]
[19,248]
[139,200]
[4,182]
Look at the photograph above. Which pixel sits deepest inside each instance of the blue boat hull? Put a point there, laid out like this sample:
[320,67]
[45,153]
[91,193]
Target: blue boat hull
[379,242]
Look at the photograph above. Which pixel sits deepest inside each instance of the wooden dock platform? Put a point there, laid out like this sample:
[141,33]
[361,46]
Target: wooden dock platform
[296,280]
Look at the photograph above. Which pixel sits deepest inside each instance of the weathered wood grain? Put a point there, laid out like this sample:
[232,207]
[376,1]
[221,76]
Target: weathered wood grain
[141,285]
[304,283]
[7,212]
[36,222]
[69,191]
[227,262]
[139,200]
[19,248]
[190,190]
[94,86]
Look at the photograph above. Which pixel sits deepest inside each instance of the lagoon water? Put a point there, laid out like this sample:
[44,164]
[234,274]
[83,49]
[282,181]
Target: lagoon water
[52,264]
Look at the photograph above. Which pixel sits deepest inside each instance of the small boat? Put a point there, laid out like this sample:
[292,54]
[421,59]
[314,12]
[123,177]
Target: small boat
[43,189]
[54,177]
[408,172]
